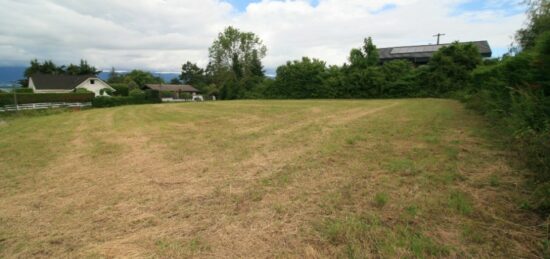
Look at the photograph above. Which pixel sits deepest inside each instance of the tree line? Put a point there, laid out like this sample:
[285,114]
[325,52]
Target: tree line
[235,71]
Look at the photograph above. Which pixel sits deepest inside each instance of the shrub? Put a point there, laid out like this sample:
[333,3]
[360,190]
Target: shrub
[380,199]
[450,68]
[166,94]
[136,97]
[7,99]
[136,93]
[399,78]
[106,91]
[515,95]
[186,96]
[152,96]
[120,89]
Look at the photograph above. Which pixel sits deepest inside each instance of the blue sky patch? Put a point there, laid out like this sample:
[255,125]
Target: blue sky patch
[241,5]
[385,8]
[508,7]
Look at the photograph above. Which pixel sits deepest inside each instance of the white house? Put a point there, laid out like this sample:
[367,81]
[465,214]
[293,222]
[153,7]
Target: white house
[41,83]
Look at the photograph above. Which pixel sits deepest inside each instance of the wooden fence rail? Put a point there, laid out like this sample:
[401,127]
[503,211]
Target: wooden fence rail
[37,106]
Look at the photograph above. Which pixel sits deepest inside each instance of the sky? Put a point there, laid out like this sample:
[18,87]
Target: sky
[161,35]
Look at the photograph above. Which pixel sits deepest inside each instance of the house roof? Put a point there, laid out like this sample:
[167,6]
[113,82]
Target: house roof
[58,82]
[426,51]
[172,88]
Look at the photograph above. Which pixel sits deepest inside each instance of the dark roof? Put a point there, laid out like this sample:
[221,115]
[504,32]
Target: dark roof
[56,82]
[426,51]
[172,88]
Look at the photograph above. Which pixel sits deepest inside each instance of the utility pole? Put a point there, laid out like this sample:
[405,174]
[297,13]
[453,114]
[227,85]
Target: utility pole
[438,35]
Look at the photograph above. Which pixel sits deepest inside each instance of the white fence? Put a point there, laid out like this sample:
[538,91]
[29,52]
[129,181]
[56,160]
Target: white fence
[37,106]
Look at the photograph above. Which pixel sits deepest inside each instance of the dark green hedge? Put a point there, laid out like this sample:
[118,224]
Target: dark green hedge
[145,97]
[23,98]
[24,90]
[120,89]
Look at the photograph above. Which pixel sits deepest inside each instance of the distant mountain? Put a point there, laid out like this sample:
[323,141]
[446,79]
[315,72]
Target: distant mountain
[164,75]
[10,75]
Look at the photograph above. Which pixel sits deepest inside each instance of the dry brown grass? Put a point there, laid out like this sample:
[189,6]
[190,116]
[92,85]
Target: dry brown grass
[395,178]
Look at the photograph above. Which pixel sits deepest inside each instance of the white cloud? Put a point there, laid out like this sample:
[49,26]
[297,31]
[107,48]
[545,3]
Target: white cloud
[162,34]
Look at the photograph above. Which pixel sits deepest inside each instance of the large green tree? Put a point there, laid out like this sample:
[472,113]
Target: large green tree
[46,67]
[365,56]
[235,57]
[371,52]
[83,69]
[192,74]
[302,79]
[114,77]
[399,79]
[362,77]
[538,23]
[450,68]
[141,78]
[49,68]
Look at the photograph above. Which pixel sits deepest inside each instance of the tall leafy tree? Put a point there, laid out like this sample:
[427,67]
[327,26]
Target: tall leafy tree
[357,59]
[114,77]
[235,57]
[370,52]
[83,69]
[399,79]
[256,68]
[450,68]
[192,74]
[302,79]
[233,45]
[140,78]
[538,23]
[362,78]
[47,67]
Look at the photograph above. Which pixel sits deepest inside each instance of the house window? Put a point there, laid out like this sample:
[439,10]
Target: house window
[92,81]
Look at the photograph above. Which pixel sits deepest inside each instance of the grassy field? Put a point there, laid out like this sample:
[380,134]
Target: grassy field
[388,178]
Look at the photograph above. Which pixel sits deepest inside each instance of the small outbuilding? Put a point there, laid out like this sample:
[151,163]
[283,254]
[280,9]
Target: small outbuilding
[42,83]
[176,90]
[421,54]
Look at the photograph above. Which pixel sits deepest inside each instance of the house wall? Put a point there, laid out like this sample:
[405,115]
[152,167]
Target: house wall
[31,84]
[96,87]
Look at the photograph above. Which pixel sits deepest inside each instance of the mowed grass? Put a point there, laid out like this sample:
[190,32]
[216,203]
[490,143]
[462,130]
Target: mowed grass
[357,179]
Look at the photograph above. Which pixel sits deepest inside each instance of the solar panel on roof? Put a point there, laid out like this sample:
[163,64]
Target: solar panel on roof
[416,49]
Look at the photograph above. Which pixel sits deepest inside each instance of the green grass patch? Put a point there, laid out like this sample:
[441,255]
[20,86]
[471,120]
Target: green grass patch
[174,248]
[381,199]
[460,202]
[402,166]
[494,181]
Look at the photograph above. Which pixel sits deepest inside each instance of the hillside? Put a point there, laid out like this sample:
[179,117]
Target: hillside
[384,178]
